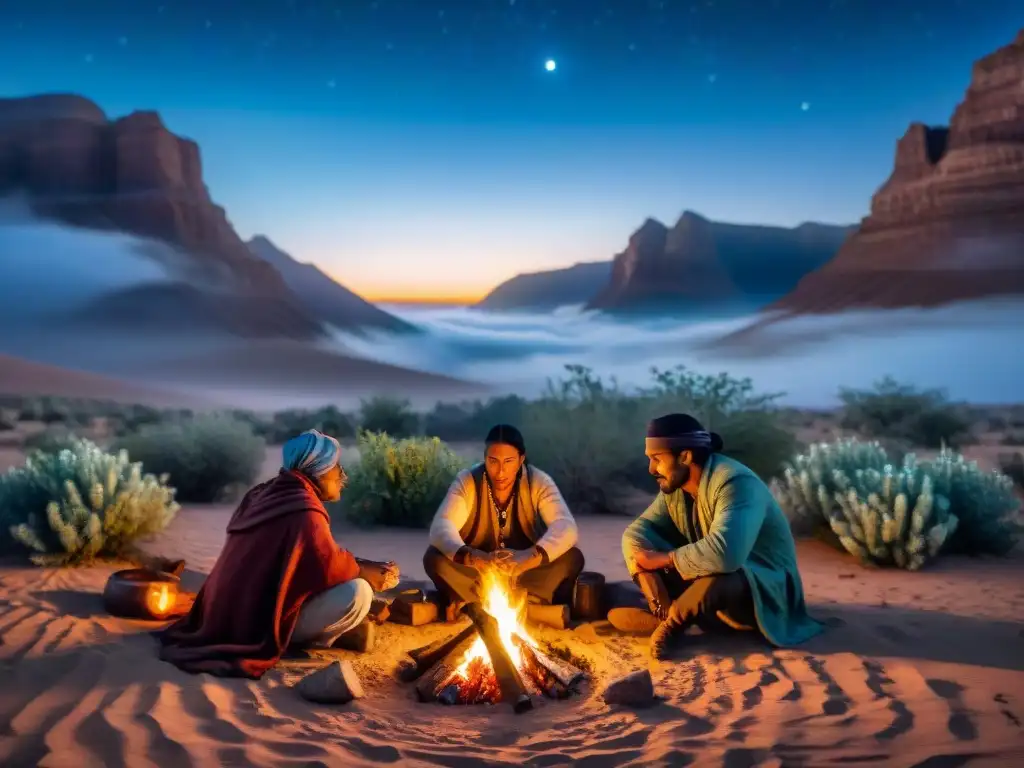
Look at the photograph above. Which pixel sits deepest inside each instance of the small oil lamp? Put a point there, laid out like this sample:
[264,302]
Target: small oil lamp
[139,593]
[160,599]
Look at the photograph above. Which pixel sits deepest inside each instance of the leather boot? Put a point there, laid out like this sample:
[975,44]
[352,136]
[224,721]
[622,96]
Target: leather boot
[664,638]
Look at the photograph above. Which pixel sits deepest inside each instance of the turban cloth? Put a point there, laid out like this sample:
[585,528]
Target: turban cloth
[312,453]
[678,432]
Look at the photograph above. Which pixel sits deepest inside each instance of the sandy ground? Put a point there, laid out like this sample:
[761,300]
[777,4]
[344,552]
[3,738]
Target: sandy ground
[917,669]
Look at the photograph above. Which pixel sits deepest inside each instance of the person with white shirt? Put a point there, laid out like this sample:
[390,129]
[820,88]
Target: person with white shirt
[506,513]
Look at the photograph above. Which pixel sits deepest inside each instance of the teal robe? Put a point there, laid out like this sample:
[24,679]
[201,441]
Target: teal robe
[741,527]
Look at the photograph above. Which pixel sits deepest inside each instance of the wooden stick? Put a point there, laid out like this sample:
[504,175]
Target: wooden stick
[513,692]
[564,672]
[441,673]
[556,616]
[428,655]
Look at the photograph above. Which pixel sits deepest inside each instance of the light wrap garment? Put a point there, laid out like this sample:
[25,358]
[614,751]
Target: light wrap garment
[741,527]
[541,513]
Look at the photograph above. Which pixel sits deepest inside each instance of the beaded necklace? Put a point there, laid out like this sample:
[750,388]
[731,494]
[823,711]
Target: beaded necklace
[501,510]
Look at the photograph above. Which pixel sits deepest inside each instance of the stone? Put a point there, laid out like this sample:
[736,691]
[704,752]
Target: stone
[133,175]
[633,690]
[337,683]
[948,224]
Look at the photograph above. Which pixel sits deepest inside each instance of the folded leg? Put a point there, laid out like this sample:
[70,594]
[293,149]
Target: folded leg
[553,583]
[456,583]
[327,616]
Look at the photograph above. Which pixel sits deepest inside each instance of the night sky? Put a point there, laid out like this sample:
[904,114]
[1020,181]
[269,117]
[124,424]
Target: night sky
[421,147]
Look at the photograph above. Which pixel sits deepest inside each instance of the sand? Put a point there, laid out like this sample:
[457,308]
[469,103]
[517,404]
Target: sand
[917,669]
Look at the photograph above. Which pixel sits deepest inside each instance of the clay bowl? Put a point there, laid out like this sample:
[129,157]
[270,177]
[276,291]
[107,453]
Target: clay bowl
[139,593]
[588,603]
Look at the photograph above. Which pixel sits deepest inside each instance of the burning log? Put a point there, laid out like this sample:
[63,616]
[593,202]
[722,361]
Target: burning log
[566,674]
[428,655]
[510,683]
[432,684]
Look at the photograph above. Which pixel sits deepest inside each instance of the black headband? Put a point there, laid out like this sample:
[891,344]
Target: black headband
[698,439]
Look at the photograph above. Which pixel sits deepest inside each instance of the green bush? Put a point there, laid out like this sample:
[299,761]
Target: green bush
[589,436]
[286,424]
[894,411]
[209,457]
[472,420]
[903,514]
[80,503]
[1012,465]
[399,482]
[50,440]
[390,415]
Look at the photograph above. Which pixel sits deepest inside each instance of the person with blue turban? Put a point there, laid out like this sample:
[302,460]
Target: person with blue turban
[714,549]
[281,579]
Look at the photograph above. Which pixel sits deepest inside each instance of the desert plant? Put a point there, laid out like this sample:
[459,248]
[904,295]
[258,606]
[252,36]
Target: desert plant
[589,435]
[470,421]
[897,514]
[208,457]
[286,424]
[81,503]
[399,482]
[390,415]
[49,440]
[921,417]
[1012,465]
[7,424]
[983,501]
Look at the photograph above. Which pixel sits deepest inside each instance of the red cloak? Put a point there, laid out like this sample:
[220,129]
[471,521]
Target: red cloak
[279,553]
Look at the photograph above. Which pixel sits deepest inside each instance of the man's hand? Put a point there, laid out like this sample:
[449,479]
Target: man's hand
[381,576]
[519,561]
[477,558]
[649,560]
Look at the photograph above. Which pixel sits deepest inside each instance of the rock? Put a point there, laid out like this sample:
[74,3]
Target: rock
[134,176]
[948,224]
[337,683]
[633,690]
[700,263]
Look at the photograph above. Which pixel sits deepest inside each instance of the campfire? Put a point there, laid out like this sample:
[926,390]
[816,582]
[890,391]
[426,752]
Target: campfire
[494,659]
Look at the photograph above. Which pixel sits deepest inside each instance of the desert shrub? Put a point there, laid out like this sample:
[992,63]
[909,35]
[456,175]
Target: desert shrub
[390,415]
[50,440]
[589,435]
[399,482]
[1012,465]
[80,503]
[208,457]
[921,417]
[132,418]
[30,409]
[897,514]
[470,421]
[983,501]
[286,424]
[7,424]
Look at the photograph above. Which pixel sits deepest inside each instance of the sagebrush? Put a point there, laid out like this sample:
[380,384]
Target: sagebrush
[901,514]
[79,503]
[399,482]
[589,434]
[903,413]
[208,457]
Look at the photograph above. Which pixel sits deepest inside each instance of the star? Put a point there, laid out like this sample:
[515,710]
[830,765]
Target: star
[805,105]
[550,65]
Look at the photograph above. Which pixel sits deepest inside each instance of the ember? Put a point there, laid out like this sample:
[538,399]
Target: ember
[494,659]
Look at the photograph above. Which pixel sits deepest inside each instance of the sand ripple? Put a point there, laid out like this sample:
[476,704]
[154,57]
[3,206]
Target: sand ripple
[889,687]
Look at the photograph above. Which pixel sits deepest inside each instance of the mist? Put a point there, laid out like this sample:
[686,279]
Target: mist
[48,268]
[975,352]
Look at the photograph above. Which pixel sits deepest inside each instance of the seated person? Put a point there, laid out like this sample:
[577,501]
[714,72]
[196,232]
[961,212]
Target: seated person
[713,548]
[280,578]
[503,512]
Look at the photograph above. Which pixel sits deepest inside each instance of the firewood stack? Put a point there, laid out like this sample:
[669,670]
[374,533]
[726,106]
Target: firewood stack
[437,679]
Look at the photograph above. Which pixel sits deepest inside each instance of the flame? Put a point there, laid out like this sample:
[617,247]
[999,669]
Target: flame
[508,607]
[163,600]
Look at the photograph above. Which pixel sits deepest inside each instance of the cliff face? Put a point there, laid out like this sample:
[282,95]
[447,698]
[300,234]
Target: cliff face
[704,264]
[948,224]
[323,297]
[553,288]
[135,176]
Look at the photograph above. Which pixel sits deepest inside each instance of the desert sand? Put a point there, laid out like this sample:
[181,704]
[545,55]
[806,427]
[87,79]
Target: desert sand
[916,669]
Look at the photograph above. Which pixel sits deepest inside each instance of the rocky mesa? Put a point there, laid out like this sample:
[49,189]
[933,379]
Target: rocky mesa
[73,164]
[703,265]
[948,224]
